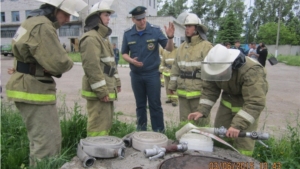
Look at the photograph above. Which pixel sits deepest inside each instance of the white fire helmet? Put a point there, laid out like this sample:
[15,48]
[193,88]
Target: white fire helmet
[217,64]
[190,19]
[69,6]
[101,6]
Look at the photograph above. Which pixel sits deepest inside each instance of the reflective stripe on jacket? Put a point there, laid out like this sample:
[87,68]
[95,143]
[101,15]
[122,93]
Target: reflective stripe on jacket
[36,42]
[97,54]
[188,58]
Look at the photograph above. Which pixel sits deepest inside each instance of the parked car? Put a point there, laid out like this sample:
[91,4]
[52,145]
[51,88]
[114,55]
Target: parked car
[6,49]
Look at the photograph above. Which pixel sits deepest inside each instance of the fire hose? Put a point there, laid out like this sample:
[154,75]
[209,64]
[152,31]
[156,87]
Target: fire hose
[159,152]
[91,148]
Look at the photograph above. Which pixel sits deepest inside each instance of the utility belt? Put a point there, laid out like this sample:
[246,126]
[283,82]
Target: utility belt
[191,74]
[169,66]
[109,70]
[33,69]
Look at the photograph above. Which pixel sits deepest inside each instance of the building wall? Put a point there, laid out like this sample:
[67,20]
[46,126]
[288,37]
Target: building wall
[284,50]
[120,20]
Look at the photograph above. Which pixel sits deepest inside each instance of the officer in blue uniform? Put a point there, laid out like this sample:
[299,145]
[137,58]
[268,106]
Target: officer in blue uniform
[142,42]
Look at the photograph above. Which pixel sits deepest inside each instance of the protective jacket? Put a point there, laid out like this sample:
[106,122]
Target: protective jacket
[167,62]
[101,75]
[185,72]
[39,56]
[245,94]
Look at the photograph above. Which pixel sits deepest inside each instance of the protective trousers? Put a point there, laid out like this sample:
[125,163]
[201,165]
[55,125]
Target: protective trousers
[43,130]
[147,87]
[224,117]
[100,116]
[187,106]
[172,97]
[162,81]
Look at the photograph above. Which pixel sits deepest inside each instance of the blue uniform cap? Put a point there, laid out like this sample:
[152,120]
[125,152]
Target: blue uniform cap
[138,12]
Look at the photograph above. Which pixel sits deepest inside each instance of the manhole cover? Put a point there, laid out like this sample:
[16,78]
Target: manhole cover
[192,162]
[146,139]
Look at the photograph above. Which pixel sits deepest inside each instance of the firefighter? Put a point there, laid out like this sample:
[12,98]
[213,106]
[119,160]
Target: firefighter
[165,67]
[101,82]
[162,80]
[39,56]
[185,73]
[244,85]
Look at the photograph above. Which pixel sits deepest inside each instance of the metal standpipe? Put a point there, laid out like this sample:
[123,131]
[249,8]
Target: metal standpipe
[159,152]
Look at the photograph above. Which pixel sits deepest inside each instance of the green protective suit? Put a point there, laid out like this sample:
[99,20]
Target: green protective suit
[36,42]
[97,60]
[188,59]
[242,101]
[165,67]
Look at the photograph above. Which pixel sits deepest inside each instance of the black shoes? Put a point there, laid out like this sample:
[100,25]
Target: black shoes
[168,101]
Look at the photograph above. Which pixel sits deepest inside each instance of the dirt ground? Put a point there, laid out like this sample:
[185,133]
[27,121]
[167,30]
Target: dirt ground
[282,108]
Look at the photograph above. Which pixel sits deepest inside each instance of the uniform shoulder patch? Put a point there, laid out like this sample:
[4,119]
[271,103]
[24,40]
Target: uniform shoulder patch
[128,29]
[155,26]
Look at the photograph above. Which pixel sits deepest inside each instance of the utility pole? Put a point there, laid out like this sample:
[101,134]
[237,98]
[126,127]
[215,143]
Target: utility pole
[278,28]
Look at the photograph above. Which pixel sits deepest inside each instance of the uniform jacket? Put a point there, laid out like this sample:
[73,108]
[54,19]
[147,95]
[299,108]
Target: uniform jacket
[245,94]
[97,53]
[167,61]
[188,59]
[36,41]
[144,46]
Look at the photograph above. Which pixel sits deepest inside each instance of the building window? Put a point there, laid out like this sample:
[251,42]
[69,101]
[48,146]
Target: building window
[27,12]
[75,18]
[154,4]
[114,15]
[150,2]
[2,17]
[15,16]
[72,30]
[8,32]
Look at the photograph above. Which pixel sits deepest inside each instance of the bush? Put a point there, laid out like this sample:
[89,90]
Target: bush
[285,150]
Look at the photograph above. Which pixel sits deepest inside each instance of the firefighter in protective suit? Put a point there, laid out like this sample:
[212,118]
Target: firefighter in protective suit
[244,85]
[162,80]
[165,67]
[185,73]
[101,81]
[39,56]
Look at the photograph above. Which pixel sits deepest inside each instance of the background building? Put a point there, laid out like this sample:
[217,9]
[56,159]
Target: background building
[14,12]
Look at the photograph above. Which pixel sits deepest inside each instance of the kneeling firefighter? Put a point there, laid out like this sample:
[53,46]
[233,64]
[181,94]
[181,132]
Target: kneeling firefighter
[244,85]
[101,82]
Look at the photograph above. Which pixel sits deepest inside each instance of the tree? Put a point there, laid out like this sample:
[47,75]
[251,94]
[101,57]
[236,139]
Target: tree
[172,8]
[265,11]
[200,8]
[267,33]
[216,8]
[230,29]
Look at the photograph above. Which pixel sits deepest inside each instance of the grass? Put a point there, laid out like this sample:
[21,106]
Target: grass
[15,150]
[289,60]
[77,58]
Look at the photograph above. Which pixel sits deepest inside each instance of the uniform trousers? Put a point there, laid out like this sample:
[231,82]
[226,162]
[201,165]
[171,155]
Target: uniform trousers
[43,130]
